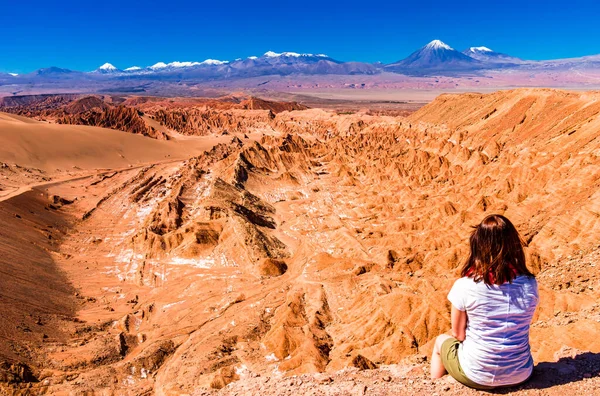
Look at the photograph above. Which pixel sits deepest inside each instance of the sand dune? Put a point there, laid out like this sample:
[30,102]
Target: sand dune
[49,147]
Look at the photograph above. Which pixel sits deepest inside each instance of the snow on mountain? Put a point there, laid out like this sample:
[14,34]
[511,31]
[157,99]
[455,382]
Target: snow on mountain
[271,54]
[479,49]
[14,74]
[487,55]
[182,64]
[179,65]
[434,58]
[107,67]
[286,63]
[213,62]
[158,66]
[438,44]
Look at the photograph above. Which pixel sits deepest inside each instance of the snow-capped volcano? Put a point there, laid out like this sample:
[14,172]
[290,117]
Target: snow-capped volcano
[107,68]
[485,54]
[434,57]
[437,44]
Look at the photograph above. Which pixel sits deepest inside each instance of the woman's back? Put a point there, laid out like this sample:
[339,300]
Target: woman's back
[496,349]
[492,307]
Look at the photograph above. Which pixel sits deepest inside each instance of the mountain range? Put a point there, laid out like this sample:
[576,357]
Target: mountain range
[434,59]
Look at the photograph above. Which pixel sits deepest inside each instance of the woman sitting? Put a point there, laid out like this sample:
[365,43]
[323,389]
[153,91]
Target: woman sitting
[492,307]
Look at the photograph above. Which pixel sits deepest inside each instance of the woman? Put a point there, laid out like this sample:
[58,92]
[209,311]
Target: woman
[492,307]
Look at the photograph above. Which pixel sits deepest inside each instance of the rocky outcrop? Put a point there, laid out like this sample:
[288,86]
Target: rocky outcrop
[276,107]
[206,121]
[574,374]
[35,105]
[121,118]
[92,110]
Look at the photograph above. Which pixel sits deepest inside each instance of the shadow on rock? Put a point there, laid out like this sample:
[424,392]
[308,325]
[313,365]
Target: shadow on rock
[565,370]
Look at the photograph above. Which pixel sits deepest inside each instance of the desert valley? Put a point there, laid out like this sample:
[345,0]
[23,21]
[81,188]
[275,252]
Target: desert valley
[208,198]
[235,244]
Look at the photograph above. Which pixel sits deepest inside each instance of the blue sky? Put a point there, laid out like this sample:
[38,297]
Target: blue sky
[82,35]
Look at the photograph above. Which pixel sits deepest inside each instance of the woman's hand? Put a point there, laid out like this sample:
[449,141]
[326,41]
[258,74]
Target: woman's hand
[459,323]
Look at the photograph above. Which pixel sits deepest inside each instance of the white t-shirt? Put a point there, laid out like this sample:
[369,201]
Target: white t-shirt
[496,350]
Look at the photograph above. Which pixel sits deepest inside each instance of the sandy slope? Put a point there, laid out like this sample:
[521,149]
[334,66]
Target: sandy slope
[34,153]
[50,147]
[37,301]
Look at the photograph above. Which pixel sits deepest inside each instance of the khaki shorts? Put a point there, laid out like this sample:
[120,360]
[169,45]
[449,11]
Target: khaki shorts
[449,354]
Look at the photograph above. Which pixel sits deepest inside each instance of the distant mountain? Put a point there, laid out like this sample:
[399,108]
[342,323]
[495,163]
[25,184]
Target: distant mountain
[161,66]
[53,70]
[591,62]
[435,57]
[270,63]
[486,55]
[279,63]
[285,63]
[52,73]
[274,58]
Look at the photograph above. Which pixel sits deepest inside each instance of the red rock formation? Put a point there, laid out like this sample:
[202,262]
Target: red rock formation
[276,107]
[122,118]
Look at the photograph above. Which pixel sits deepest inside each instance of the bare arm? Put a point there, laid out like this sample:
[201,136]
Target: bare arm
[459,323]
